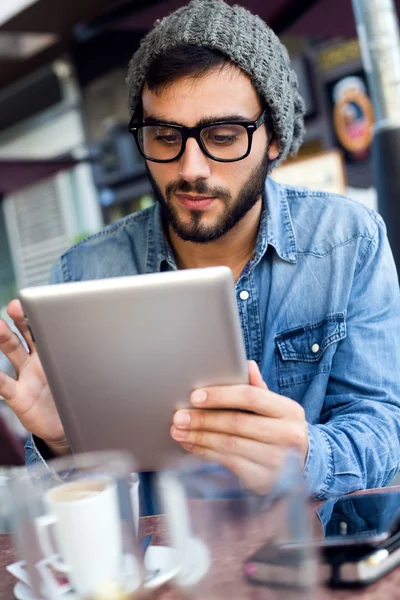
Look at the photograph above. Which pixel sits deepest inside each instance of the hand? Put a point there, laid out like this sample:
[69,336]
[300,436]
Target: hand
[251,444]
[29,395]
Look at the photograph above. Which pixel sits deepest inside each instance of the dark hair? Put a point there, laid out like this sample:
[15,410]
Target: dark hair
[187,60]
[184,60]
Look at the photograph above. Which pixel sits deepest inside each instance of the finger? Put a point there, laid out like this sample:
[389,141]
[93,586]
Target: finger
[252,476]
[16,313]
[8,387]
[12,347]
[248,398]
[255,377]
[281,432]
[260,453]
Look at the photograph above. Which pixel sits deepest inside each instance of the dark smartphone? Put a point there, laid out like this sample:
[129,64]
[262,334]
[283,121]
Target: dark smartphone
[357,566]
[359,541]
[348,566]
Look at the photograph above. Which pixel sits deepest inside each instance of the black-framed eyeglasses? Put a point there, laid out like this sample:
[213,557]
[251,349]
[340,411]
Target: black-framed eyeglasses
[225,141]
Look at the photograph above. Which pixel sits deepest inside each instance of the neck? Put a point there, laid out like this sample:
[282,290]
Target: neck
[232,250]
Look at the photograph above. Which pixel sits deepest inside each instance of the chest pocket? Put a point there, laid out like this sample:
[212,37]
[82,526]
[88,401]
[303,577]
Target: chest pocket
[304,352]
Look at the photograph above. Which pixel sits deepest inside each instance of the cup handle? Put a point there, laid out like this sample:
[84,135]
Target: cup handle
[42,525]
[134,496]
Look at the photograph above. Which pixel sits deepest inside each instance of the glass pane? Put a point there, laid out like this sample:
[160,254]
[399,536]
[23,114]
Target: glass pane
[160,142]
[226,141]
[232,542]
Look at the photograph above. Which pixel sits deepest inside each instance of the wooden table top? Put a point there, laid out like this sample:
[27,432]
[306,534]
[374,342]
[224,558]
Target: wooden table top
[222,576]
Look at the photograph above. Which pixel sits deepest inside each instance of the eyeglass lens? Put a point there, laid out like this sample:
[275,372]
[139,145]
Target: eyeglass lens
[224,141]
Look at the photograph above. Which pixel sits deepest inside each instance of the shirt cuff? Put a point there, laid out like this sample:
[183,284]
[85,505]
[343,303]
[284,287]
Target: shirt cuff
[319,467]
[36,451]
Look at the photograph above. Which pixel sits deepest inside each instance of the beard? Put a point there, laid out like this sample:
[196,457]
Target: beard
[195,230]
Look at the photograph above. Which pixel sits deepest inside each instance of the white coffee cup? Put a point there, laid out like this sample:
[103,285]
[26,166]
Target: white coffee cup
[87,531]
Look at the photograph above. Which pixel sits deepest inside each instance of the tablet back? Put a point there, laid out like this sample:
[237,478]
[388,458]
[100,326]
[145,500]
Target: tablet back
[122,354]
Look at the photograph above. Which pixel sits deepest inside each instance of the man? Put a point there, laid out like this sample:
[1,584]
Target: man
[215,107]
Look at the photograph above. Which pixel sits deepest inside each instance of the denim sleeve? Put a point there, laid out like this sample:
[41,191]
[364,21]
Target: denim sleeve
[356,444]
[36,451]
[56,275]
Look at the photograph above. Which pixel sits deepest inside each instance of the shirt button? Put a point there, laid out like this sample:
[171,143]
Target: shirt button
[315,348]
[244,295]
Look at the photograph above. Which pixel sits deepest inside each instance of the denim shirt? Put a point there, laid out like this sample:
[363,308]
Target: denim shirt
[321,317]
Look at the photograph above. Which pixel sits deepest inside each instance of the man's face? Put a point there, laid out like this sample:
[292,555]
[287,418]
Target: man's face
[201,198]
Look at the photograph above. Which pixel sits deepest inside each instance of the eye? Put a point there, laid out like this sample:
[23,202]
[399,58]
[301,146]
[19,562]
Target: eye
[222,139]
[167,139]
[224,135]
[165,135]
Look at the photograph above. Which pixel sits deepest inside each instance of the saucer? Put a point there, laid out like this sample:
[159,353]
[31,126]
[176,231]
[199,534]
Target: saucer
[24,592]
[164,561]
[161,560]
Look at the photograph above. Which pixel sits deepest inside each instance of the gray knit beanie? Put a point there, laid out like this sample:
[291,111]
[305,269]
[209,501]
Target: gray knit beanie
[248,42]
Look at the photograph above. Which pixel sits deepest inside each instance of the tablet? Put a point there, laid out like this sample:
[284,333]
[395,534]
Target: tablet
[122,354]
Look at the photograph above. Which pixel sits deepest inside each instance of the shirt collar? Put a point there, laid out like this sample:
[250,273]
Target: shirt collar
[160,256]
[276,229]
[280,233]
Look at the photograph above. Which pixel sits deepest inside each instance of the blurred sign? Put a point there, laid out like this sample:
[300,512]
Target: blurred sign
[352,116]
[324,172]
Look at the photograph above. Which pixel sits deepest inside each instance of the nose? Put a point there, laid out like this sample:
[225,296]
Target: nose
[194,164]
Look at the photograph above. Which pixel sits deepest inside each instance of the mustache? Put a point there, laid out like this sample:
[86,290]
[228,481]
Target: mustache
[198,187]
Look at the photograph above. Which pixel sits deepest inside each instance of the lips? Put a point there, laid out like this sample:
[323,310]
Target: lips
[195,202]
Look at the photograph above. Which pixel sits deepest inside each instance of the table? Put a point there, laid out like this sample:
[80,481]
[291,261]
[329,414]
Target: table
[386,589]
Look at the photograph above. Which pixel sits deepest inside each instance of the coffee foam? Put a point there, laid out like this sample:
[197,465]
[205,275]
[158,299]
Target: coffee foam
[78,490]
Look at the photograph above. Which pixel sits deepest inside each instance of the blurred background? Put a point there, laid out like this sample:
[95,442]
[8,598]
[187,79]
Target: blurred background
[69,167]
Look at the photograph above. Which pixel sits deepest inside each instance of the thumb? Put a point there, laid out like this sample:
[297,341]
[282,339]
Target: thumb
[255,377]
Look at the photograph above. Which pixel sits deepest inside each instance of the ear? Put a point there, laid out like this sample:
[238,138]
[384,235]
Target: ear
[273,151]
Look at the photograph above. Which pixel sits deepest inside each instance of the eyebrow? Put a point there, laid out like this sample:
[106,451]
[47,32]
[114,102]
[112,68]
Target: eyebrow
[204,121]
